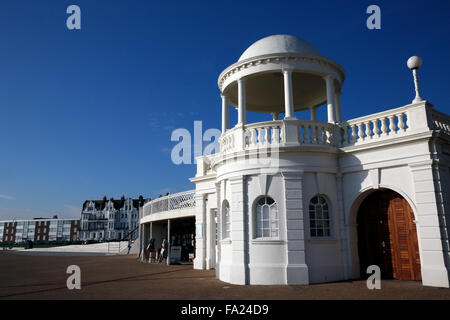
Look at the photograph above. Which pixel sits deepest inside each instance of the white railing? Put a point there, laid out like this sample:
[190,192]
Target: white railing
[375,126]
[441,121]
[263,134]
[278,133]
[318,133]
[170,202]
[404,121]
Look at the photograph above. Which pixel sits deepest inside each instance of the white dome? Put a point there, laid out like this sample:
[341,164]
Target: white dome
[281,43]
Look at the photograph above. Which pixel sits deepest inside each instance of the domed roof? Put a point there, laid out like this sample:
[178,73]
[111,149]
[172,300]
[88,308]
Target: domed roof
[281,43]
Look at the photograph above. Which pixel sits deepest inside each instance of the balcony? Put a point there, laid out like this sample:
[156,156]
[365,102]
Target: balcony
[177,204]
[386,126]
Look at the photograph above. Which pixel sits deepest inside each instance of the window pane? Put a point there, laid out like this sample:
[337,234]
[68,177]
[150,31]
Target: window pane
[259,233]
[319,223]
[258,224]
[266,213]
[273,214]
[266,218]
[319,212]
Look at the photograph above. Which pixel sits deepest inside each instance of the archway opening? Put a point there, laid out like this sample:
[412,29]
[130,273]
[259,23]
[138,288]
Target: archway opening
[387,236]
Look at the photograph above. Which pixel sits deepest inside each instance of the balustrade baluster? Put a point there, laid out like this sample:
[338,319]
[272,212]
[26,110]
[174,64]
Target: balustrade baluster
[314,137]
[353,133]
[360,132]
[253,137]
[275,135]
[345,138]
[376,129]
[401,124]
[322,134]
[328,135]
[306,133]
[368,130]
[383,126]
[392,126]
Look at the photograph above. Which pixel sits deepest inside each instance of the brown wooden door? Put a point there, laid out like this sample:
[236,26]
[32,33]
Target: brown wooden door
[387,236]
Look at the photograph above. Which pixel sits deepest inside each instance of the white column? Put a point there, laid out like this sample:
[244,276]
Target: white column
[337,100]
[219,228]
[168,242]
[151,229]
[313,113]
[330,99]
[296,267]
[225,117]
[209,245]
[431,222]
[241,101]
[238,274]
[288,96]
[200,236]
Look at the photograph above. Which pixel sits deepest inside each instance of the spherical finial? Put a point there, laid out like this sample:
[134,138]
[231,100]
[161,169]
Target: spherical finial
[414,62]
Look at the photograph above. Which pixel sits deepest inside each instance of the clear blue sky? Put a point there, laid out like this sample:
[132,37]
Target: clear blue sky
[90,113]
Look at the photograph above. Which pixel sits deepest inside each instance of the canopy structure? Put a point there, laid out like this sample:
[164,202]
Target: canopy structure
[282,73]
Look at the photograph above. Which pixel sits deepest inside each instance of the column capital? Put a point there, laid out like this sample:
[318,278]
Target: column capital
[242,80]
[287,70]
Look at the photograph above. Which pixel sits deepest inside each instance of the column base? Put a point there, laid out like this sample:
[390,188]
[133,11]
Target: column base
[297,274]
[435,276]
[199,264]
[237,274]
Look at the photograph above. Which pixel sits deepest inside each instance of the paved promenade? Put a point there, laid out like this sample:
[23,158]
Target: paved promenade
[29,276]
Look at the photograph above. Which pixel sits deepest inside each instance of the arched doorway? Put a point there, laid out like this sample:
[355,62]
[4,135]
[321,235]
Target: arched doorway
[387,236]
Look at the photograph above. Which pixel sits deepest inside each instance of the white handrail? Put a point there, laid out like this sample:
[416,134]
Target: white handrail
[170,202]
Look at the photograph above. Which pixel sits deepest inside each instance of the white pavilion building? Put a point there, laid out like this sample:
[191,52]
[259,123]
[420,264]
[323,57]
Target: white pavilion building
[292,201]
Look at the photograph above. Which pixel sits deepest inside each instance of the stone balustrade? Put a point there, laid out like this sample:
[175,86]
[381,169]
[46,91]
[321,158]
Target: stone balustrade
[441,121]
[381,125]
[386,125]
[263,134]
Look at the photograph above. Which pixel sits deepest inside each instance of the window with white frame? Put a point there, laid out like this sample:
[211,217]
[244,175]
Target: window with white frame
[319,217]
[226,216]
[266,217]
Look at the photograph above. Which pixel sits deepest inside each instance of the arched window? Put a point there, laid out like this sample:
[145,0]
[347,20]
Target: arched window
[226,219]
[319,217]
[266,217]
